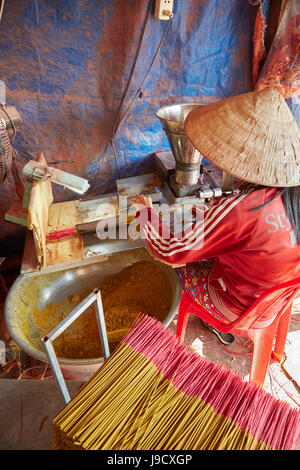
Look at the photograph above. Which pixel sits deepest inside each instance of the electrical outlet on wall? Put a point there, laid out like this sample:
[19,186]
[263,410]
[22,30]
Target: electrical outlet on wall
[163,8]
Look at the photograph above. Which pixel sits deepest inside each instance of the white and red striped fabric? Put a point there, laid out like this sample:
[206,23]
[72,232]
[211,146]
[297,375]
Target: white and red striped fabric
[253,250]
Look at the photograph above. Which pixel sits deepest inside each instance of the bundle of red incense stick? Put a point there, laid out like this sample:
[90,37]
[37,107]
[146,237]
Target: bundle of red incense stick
[154,394]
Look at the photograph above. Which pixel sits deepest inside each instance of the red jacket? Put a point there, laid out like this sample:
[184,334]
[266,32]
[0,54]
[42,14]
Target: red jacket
[254,250]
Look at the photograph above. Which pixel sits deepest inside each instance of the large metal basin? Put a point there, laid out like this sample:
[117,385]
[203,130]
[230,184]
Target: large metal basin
[28,293]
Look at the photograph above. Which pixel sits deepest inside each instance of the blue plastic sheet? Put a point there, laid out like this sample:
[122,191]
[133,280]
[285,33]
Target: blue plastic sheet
[66,64]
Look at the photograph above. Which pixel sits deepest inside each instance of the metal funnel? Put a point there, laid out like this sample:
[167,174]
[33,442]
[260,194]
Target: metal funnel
[187,158]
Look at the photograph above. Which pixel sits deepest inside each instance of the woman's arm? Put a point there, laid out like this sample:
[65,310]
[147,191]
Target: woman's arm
[217,230]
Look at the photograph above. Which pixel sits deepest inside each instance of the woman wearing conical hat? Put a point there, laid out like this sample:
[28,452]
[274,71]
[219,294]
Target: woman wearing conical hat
[250,241]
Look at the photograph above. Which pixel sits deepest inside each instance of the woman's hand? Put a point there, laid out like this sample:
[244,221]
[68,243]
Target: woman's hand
[141,201]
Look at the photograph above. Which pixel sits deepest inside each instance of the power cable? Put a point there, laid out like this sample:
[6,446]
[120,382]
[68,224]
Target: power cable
[119,119]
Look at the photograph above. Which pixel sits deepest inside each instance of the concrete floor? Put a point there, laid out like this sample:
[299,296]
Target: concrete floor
[28,406]
[27,410]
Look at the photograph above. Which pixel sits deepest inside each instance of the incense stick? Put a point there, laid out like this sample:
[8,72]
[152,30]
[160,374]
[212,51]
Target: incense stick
[153,393]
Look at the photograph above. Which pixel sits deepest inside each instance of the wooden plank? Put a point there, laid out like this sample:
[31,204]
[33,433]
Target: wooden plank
[69,214]
[62,214]
[59,255]
[64,251]
[30,262]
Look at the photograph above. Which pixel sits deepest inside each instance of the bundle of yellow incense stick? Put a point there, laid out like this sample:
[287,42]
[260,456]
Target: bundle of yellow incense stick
[154,394]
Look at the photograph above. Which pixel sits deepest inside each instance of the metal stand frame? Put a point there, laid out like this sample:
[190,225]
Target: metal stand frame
[95,296]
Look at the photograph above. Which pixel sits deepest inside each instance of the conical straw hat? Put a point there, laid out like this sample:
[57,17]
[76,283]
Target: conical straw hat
[252,136]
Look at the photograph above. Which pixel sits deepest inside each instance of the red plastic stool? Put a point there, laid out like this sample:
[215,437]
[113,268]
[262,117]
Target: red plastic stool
[247,325]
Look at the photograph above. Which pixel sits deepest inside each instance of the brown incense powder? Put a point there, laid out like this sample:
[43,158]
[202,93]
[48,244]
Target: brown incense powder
[141,287]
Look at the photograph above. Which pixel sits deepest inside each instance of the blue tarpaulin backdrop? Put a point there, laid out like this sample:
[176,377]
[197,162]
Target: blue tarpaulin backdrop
[66,64]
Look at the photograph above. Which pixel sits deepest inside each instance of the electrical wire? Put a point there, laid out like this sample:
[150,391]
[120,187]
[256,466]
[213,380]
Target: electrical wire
[114,129]
[147,73]
[120,119]
[116,125]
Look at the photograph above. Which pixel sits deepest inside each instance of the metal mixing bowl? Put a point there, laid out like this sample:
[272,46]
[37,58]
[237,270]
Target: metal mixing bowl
[27,293]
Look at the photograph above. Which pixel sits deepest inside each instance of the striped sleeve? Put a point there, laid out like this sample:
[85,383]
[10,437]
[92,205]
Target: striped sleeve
[218,231]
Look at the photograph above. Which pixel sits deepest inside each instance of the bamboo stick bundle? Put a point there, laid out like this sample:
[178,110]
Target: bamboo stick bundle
[154,394]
